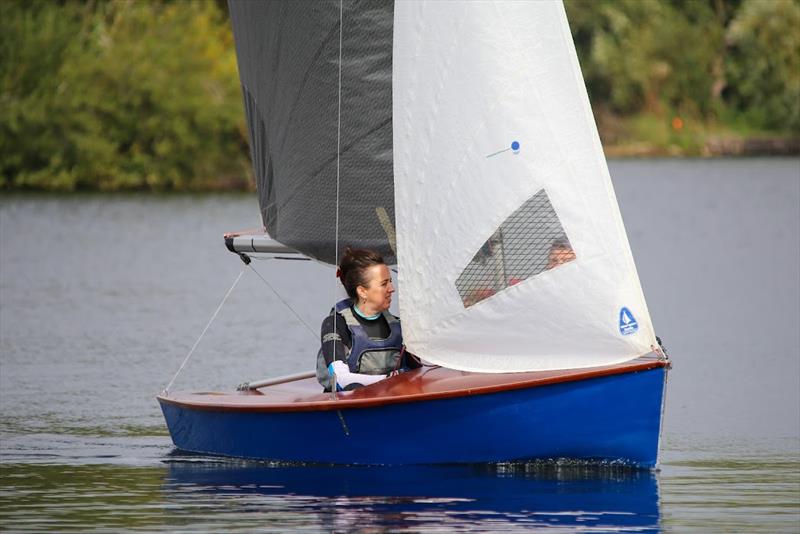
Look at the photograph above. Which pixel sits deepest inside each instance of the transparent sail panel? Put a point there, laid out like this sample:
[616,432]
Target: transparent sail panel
[530,241]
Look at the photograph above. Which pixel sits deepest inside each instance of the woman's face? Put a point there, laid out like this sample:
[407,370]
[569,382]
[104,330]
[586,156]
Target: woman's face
[376,296]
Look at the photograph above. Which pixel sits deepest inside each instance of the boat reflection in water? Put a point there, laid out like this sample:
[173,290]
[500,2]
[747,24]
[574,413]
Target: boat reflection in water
[568,495]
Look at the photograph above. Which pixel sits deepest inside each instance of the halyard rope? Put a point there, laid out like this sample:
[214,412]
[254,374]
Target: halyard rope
[216,312]
[338,158]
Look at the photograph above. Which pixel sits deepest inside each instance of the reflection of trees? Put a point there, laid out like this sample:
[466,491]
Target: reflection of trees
[80,497]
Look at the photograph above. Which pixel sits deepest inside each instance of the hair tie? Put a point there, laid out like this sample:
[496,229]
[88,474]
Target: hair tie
[339,274]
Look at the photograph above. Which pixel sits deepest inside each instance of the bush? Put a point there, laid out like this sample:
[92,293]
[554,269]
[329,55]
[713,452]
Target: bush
[736,60]
[118,95]
[764,63]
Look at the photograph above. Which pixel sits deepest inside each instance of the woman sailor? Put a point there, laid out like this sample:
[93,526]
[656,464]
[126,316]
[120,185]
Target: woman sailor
[362,343]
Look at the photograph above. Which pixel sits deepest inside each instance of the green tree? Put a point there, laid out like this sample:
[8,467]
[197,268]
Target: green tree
[648,54]
[119,95]
[34,39]
[763,66]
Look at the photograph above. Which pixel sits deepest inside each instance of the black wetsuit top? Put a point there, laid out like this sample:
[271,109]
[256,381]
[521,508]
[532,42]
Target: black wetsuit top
[375,328]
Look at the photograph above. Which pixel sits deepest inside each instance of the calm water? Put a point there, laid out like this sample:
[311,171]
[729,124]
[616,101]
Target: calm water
[102,296]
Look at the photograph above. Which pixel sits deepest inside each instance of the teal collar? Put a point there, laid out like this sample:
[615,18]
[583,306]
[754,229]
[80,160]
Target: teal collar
[367,317]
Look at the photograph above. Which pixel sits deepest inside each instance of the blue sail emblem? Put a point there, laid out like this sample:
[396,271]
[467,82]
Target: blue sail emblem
[627,323]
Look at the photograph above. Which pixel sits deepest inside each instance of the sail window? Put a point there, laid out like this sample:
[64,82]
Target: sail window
[530,241]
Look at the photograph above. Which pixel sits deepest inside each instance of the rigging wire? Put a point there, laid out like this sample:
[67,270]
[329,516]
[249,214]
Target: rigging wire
[336,232]
[338,158]
[214,316]
[297,315]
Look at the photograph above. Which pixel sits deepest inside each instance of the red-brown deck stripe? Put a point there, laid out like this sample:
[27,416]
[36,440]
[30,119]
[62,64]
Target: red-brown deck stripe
[418,385]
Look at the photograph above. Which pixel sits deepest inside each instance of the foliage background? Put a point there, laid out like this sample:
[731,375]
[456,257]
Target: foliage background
[134,95]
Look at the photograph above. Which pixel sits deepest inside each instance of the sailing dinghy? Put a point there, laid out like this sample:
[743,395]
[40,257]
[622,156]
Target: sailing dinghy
[456,138]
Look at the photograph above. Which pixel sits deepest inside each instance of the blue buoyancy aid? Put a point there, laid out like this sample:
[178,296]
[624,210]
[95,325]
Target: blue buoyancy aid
[366,355]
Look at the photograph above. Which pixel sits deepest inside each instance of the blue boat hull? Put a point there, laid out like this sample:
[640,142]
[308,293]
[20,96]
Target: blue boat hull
[611,418]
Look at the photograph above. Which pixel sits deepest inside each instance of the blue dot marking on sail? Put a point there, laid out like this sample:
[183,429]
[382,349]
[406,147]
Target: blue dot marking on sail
[627,323]
[514,148]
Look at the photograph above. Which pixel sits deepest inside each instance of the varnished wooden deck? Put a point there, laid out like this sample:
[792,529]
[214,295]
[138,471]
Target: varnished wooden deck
[427,383]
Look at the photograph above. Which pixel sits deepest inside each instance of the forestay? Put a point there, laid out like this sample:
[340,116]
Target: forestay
[512,251]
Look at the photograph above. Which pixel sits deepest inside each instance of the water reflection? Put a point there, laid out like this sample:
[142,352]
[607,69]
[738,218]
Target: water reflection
[173,492]
[442,498]
[213,495]
[62,498]
[83,443]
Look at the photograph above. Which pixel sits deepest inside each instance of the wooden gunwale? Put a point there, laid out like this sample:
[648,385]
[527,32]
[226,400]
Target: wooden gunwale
[424,384]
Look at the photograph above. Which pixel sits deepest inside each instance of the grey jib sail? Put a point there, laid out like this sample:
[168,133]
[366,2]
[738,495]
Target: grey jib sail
[288,55]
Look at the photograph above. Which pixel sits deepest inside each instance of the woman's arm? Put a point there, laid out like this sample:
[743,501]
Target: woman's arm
[334,341]
[347,380]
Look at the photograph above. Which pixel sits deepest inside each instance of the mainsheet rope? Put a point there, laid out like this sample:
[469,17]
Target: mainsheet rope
[214,316]
[338,158]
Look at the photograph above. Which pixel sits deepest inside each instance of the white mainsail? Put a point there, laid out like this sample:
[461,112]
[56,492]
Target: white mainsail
[512,251]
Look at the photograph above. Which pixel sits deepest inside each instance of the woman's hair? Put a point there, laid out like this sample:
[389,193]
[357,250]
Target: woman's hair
[353,268]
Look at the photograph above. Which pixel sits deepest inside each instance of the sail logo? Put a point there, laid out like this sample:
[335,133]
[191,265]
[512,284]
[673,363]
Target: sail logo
[627,323]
